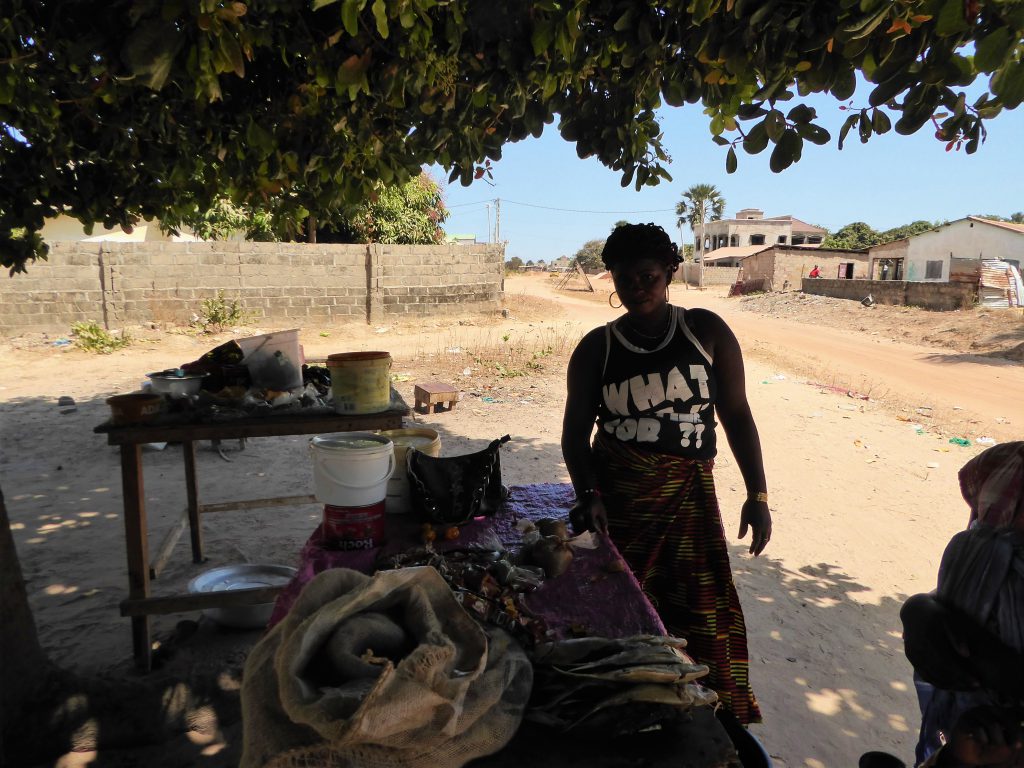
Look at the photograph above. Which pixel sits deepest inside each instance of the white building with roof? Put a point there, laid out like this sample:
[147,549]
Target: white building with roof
[953,251]
[750,232]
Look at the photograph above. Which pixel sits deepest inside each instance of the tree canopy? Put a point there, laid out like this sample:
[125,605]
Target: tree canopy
[120,110]
[589,254]
[403,214]
[699,204]
[858,235]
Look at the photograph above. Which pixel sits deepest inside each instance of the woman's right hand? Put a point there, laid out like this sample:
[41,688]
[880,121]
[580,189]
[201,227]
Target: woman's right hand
[589,514]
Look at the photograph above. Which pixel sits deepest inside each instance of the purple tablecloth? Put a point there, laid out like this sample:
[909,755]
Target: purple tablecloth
[594,597]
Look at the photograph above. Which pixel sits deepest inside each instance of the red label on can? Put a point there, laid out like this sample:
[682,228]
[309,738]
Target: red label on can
[348,528]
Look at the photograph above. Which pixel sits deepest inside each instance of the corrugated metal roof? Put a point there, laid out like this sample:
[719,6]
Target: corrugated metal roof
[1002,224]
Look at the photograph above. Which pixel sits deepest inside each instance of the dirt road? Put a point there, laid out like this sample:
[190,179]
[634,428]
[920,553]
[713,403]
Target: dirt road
[974,396]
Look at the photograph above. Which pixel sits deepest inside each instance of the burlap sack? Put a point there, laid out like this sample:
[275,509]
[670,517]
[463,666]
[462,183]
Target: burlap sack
[318,690]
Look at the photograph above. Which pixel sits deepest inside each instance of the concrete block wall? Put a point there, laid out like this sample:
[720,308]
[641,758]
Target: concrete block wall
[124,284]
[689,273]
[64,289]
[934,296]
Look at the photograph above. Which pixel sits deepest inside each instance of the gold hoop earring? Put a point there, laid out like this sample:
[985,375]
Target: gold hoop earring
[614,306]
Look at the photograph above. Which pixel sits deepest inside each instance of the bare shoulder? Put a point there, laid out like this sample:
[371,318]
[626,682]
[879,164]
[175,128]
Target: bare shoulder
[709,328]
[590,347]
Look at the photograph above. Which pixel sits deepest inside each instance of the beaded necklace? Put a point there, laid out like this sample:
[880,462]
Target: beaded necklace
[658,336]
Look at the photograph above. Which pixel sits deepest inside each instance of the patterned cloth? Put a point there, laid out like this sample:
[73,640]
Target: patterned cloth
[982,574]
[992,483]
[664,518]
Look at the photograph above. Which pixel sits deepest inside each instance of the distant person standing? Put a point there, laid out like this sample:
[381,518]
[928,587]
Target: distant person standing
[885,271]
[815,272]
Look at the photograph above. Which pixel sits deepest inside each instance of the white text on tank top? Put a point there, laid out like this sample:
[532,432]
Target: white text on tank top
[659,399]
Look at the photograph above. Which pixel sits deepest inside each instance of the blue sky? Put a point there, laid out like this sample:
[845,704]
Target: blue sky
[889,181]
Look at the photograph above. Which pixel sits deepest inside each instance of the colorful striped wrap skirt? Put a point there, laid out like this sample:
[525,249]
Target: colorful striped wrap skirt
[663,516]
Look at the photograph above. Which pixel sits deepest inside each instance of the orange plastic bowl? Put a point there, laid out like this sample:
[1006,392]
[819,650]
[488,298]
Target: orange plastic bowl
[134,408]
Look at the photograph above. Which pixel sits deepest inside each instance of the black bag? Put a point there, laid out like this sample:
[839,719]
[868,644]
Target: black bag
[452,490]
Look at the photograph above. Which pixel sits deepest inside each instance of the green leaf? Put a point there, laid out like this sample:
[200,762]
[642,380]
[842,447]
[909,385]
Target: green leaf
[380,15]
[352,71]
[864,126]
[624,22]
[730,161]
[756,139]
[951,19]
[992,49]
[851,121]
[813,133]
[880,121]
[750,111]
[787,151]
[675,95]
[350,15]
[1008,84]
[232,52]
[258,137]
[775,124]
[721,141]
[845,84]
[914,116]
[883,92]
[150,50]
[541,37]
[801,113]
[865,25]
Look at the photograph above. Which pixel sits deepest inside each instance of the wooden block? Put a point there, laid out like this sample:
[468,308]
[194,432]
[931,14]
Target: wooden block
[430,394]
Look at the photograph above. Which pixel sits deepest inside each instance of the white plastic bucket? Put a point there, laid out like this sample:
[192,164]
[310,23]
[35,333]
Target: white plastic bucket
[360,381]
[352,469]
[274,359]
[420,439]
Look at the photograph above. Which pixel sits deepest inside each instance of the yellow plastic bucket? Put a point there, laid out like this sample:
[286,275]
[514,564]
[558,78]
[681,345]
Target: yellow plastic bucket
[421,439]
[360,381]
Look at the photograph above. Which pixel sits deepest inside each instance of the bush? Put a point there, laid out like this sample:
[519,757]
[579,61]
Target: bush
[218,312]
[92,338]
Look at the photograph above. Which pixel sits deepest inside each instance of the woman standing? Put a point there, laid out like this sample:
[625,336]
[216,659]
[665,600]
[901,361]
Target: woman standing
[653,381]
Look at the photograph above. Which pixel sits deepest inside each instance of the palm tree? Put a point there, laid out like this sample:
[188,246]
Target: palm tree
[701,203]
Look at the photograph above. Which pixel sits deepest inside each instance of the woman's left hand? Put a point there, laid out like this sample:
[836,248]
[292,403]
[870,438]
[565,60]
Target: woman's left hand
[756,515]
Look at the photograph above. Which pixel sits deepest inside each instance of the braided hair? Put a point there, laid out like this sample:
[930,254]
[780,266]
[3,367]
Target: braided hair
[640,241]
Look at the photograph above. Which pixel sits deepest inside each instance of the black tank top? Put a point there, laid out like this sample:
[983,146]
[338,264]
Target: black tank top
[660,399]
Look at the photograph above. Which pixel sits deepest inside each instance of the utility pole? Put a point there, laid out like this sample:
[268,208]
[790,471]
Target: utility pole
[497,219]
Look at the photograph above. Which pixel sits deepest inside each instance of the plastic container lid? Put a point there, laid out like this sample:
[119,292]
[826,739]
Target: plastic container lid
[355,357]
[351,441]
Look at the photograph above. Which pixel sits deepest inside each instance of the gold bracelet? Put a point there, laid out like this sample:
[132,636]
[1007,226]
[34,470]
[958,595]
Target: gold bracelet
[759,496]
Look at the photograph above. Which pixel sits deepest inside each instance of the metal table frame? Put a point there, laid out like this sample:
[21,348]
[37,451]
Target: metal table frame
[140,604]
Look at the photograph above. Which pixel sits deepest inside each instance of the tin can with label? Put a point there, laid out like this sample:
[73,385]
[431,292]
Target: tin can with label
[351,528]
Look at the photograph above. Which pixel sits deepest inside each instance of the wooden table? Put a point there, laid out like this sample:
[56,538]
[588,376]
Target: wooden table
[140,605]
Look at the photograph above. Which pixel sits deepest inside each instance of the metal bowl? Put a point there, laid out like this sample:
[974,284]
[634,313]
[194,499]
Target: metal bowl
[242,576]
[173,385]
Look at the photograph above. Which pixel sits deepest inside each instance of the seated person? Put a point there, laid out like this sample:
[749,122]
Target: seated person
[966,639]
[815,272]
[983,736]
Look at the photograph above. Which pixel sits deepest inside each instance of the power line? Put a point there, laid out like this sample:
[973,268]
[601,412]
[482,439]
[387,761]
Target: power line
[462,205]
[577,210]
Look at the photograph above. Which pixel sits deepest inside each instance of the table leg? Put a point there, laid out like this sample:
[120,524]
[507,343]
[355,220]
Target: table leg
[192,490]
[137,546]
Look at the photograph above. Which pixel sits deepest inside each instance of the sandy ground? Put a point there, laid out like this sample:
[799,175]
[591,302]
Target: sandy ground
[856,425]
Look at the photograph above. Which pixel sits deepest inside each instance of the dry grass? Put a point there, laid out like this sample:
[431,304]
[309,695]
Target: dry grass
[493,353]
